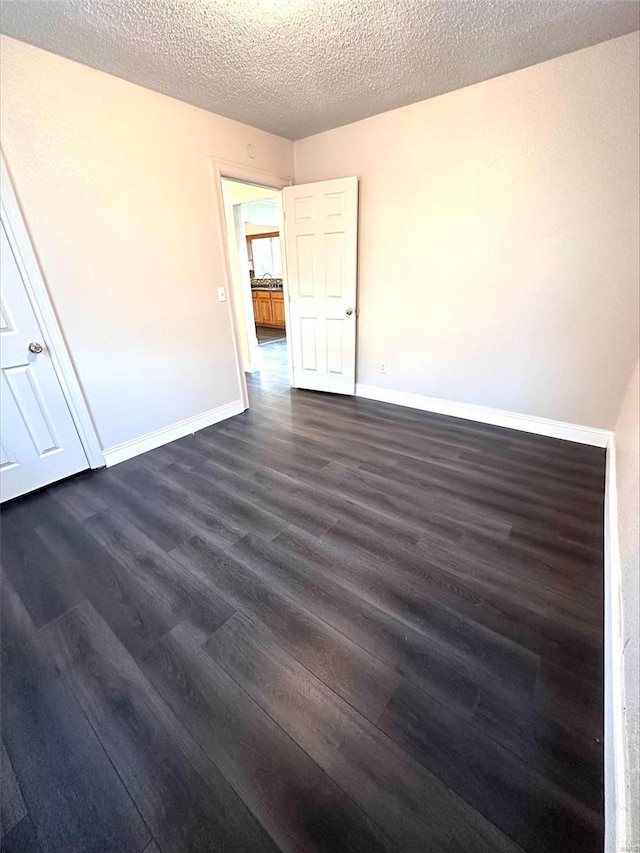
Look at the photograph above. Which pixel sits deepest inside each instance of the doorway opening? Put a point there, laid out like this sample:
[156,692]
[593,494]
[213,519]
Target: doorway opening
[253,216]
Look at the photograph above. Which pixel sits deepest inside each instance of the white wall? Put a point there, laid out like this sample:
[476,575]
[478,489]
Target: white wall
[263,212]
[627,439]
[259,229]
[498,260]
[114,181]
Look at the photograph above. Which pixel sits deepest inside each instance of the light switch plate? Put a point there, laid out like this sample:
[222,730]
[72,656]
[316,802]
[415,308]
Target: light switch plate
[222,296]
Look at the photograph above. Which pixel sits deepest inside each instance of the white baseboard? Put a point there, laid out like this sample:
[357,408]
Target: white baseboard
[486,415]
[129,449]
[615,773]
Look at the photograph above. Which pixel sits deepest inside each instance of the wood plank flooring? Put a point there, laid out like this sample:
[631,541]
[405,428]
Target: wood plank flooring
[268,334]
[327,624]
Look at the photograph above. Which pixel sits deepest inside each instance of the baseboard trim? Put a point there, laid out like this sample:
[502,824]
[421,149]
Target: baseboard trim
[129,449]
[486,415]
[615,738]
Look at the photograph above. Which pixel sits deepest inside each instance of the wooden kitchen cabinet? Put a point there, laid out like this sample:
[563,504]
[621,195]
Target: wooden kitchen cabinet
[263,314]
[277,310]
[268,308]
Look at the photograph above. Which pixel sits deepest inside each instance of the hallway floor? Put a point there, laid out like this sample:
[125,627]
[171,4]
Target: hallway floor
[273,373]
[325,624]
[267,334]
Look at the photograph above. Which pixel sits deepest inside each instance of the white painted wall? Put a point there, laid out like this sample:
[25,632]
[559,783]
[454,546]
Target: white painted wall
[265,228]
[114,181]
[627,439]
[498,260]
[498,256]
[266,212]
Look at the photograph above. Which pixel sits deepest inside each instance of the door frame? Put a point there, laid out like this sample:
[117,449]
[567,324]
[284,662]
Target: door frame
[40,299]
[220,169]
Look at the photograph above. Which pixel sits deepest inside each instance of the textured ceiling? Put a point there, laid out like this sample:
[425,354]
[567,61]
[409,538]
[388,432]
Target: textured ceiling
[296,67]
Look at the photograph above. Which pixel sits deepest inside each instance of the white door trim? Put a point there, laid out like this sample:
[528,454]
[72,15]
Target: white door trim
[615,740]
[42,305]
[235,171]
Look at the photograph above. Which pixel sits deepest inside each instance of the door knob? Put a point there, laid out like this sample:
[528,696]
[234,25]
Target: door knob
[35,347]
[349,312]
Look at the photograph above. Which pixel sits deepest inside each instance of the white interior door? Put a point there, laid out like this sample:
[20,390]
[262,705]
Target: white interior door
[321,237]
[39,442]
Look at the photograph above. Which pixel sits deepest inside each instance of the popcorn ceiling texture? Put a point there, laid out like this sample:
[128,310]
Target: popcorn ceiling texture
[297,67]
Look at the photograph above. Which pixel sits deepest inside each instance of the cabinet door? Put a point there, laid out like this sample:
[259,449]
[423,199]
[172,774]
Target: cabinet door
[264,309]
[257,308]
[277,310]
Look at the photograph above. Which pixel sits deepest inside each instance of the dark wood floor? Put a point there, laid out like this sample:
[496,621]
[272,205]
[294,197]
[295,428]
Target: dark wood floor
[267,334]
[326,624]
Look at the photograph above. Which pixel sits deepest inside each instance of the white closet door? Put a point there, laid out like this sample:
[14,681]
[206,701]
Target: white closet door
[39,441]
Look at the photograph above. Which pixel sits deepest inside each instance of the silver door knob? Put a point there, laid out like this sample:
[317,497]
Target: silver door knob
[349,312]
[36,348]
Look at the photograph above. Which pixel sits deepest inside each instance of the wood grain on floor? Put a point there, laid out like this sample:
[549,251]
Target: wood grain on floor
[326,624]
[269,334]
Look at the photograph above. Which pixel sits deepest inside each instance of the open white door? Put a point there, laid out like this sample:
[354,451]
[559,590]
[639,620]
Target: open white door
[321,240]
[40,443]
